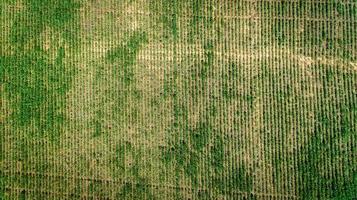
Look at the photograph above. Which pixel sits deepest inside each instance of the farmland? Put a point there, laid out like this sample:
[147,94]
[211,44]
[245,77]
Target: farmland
[173,99]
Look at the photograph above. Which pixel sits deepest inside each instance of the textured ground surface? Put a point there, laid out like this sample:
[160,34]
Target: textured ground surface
[178,99]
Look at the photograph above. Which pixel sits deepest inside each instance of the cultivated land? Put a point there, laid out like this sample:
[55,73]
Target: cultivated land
[174,99]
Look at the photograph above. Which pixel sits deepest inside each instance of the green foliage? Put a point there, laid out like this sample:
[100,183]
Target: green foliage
[217,152]
[98,129]
[242,179]
[326,146]
[199,136]
[36,85]
[41,13]
[239,179]
[121,152]
[322,27]
[22,195]
[35,82]
[3,183]
[182,152]
[52,12]
[170,15]
[192,167]
[127,52]
[96,188]
[201,17]
[121,60]
[316,185]
[138,190]
[202,72]
[221,97]
[208,52]
[168,11]
[229,76]
[137,187]
[124,56]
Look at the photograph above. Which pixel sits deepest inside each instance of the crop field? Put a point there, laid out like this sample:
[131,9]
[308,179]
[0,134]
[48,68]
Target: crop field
[178,99]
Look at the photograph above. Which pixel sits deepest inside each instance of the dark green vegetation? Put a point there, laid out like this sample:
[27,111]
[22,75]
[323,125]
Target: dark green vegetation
[331,144]
[124,57]
[178,99]
[327,140]
[27,79]
[324,28]
[121,61]
[34,82]
[138,187]
[38,14]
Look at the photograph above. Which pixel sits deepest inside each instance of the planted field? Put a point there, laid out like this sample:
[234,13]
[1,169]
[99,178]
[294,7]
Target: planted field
[174,99]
